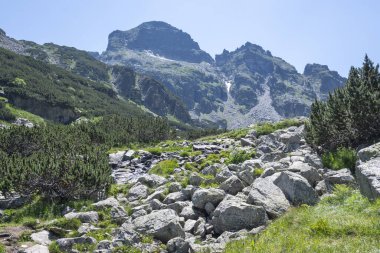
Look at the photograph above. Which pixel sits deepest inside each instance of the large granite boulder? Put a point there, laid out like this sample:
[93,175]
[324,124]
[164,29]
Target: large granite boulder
[162,224]
[233,214]
[265,193]
[296,188]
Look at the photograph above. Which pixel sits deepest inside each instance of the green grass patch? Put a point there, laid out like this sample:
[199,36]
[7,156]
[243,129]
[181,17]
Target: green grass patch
[19,113]
[342,158]
[268,127]
[126,249]
[54,248]
[41,209]
[164,168]
[215,158]
[100,234]
[25,236]
[70,224]
[343,222]
[239,156]
[147,239]
[116,189]
[2,248]
[258,172]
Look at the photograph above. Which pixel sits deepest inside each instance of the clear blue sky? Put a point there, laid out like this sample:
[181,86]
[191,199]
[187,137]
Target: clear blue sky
[333,32]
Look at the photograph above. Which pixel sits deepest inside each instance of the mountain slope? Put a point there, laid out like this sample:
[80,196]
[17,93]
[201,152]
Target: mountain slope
[141,89]
[56,94]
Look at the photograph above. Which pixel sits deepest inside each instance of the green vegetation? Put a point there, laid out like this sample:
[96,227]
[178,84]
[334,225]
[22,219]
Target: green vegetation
[239,156]
[126,249]
[38,87]
[267,127]
[43,210]
[164,168]
[18,113]
[343,222]
[350,116]
[342,158]
[71,224]
[60,161]
[146,239]
[84,247]
[116,189]
[258,171]
[54,248]
[261,129]
[2,248]
[100,234]
[25,236]
[5,113]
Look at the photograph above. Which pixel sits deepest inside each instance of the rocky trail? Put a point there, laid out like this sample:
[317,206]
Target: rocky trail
[222,202]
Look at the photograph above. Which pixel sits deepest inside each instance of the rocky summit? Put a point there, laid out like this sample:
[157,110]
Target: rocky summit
[159,39]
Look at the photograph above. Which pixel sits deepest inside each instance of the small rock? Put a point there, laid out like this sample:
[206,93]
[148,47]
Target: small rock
[42,237]
[107,203]
[37,249]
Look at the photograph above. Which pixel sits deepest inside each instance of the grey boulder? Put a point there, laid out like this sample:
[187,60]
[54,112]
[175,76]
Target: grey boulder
[202,196]
[162,224]
[296,188]
[233,185]
[232,214]
[265,193]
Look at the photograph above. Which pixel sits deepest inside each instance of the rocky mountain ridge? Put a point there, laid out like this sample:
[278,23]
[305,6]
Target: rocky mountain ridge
[238,88]
[250,71]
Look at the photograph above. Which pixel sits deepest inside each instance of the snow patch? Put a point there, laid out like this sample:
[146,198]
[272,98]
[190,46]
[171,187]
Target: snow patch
[151,54]
[228,85]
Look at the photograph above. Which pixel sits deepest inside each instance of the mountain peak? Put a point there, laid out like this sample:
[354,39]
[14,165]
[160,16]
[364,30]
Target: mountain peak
[161,39]
[314,68]
[2,32]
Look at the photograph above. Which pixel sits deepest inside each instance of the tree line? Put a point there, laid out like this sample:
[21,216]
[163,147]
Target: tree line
[351,115]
